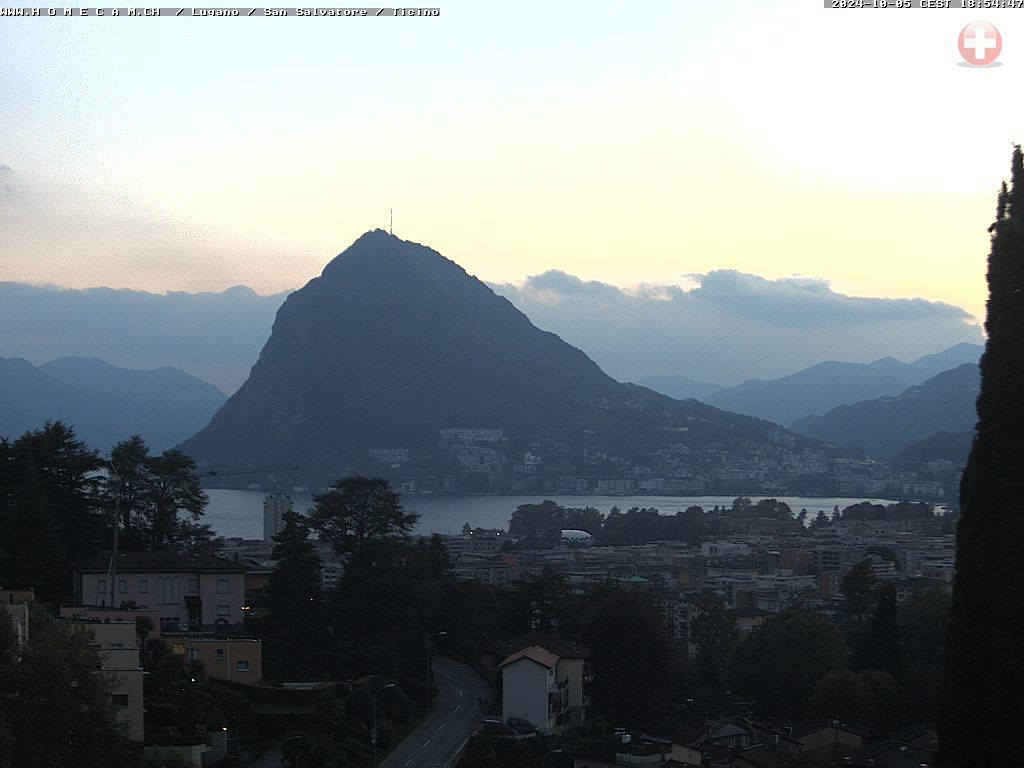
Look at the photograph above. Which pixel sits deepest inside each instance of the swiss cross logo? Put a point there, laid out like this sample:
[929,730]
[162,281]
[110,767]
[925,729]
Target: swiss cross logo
[980,43]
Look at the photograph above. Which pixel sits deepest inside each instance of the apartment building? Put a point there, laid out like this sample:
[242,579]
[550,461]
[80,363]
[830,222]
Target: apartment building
[188,593]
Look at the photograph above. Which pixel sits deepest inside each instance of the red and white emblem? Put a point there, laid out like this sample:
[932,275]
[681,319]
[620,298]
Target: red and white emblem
[980,43]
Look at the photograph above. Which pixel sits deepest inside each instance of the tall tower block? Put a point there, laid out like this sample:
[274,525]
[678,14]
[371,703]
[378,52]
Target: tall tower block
[274,507]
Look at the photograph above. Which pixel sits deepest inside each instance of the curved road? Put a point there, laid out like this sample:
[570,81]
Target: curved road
[456,708]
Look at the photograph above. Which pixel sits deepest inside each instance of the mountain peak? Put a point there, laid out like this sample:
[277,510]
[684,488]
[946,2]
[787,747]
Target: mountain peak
[394,344]
[379,249]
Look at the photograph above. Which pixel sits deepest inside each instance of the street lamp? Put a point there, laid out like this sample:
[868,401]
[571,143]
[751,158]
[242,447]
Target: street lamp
[435,634]
[373,730]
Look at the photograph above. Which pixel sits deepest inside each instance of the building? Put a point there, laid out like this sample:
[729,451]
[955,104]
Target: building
[548,684]
[239,660]
[630,749]
[478,542]
[274,508]
[119,653]
[126,616]
[189,593]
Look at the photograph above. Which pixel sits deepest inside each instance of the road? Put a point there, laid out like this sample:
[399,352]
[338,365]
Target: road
[455,710]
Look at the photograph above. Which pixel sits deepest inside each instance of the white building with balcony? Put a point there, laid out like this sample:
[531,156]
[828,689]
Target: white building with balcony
[548,685]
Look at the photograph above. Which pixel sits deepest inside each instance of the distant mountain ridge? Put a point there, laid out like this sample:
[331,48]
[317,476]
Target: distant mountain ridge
[681,387]
[885,426]
[214,336]
[394,343]
[824,386]
[105,403]
[951,446]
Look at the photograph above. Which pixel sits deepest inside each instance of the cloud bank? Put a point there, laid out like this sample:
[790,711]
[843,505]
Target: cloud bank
[214,336]
[722,327]
[727,326]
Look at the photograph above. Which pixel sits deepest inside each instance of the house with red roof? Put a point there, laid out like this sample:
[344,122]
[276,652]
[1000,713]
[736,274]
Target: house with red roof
[546,683]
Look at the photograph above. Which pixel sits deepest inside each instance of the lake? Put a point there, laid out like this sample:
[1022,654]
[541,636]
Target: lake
[240,513]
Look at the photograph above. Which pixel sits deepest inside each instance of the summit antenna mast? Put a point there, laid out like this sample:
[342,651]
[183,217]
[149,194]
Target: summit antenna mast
[391,224]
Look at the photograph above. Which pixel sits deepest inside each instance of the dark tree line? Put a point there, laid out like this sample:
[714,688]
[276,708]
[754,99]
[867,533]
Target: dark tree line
[59,498]
[540,525]
[51,508]
[55,709]
[157,499]
[982,719]
[876,663]
[400,591]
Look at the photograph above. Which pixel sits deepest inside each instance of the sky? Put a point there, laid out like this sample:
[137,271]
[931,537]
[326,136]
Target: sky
[614,144]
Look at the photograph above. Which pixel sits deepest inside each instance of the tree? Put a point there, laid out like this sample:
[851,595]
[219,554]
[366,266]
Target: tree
[859,588]
[127,483]
[172,489]
[781,661]
[982,721]
[633,657]
[587,519]
[883,699]
[879,644]
[774,508]
[536,603]
[57,705]
[821,520]
[715,635]
[158,499]
[295,625]
[359,515]
[741,504]
[841,694]
[538,525]
[50,508]
[870,696]
[921,623]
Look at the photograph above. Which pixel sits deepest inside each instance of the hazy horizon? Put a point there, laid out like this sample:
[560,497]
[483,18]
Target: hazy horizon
[723,326]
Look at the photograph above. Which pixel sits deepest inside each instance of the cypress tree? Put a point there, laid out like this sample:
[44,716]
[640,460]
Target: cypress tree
[982,719]
[295,626]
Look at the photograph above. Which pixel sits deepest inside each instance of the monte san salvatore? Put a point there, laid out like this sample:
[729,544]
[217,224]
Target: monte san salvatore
[395,361]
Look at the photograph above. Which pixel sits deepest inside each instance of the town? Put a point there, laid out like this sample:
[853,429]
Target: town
[713,583]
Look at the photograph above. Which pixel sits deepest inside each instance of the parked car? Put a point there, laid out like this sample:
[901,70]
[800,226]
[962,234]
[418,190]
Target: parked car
[520,725]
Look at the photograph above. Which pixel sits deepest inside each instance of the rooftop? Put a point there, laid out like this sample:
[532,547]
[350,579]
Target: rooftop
[534,653]
[149,561]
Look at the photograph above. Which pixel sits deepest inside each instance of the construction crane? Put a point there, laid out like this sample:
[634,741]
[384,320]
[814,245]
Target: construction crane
[255,471]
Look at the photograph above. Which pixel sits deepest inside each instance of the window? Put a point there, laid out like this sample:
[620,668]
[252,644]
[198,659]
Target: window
[119,699]
[101,591]
[122,586]
[223,587]
[223,610]
[143,586]
[220,654]
[193,586]
[193,654]
[241,666]
[168,590]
